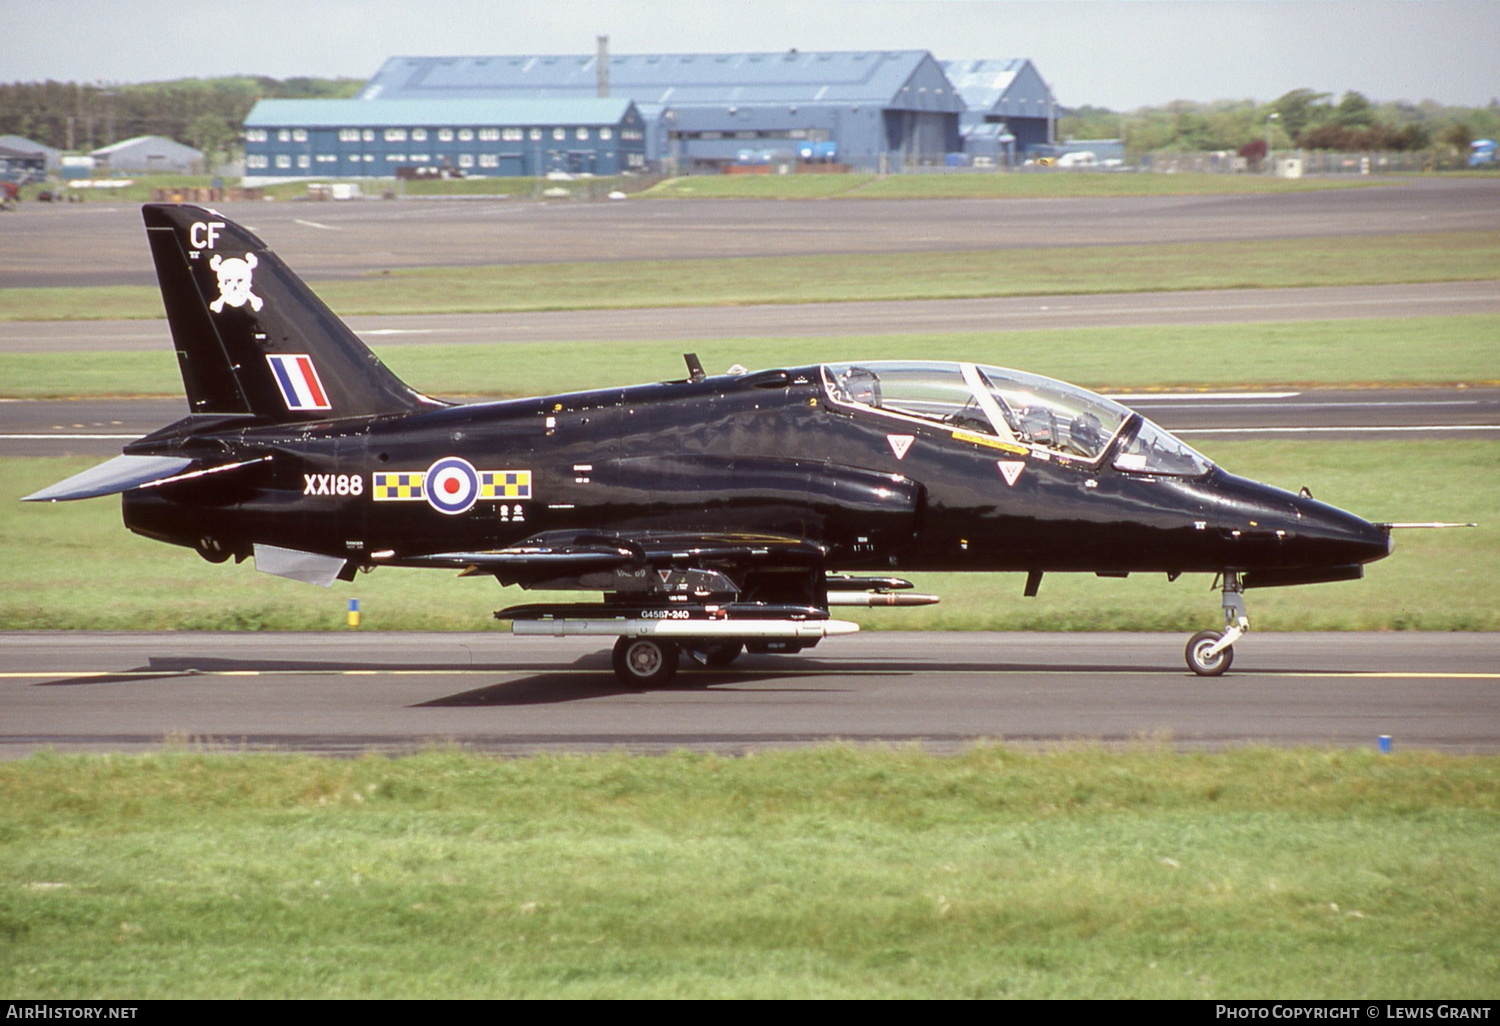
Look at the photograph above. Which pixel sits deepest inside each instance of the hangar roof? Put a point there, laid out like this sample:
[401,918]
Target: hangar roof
[1008,86]
[404,113]
[24,145]
[159,143]
[903,79]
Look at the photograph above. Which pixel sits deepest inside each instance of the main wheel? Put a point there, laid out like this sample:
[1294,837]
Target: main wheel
[645,661]
[1198,659]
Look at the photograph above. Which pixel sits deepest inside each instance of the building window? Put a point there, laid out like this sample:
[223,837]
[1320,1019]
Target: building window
[559,134]
[512,135]
[420,158]
[255,135]
[466,160]
[395,158]
[283,160]
[606,134]
[283,135]
[326,158]
[395,135]
[466,135]
[368,135]
[489,135]
[445,135]
[299,135]
[536,135]
[256,160]
[348,135]
[489,160]
[304,161]
[582,134]
[419,135]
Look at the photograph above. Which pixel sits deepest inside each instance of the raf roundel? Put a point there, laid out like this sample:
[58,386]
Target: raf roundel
[452,485]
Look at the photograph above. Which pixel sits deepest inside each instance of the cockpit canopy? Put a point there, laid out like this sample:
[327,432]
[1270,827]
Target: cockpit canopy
[1015,408]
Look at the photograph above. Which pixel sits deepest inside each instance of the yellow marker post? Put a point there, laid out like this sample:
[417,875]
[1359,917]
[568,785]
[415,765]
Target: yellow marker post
[354,612]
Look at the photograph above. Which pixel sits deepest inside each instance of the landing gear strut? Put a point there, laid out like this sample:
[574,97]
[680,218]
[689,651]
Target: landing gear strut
[1209,653]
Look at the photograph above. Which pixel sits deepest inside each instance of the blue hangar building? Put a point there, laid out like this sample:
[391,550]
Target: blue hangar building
[482,137]
[868,109]
[1010,108]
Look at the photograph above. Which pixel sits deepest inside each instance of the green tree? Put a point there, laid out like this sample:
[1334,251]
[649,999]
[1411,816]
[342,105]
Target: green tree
[1355,111]
[210,133]
[1301,109]
[1458,135]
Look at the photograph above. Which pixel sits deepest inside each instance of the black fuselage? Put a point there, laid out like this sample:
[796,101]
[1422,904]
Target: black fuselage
[765,454]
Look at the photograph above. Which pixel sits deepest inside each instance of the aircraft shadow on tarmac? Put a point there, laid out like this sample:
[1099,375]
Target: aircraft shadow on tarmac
[572,686]
[190,666]
[590,677]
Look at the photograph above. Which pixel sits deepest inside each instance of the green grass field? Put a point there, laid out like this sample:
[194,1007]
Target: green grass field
[1062,270]
[827,872]
[1389,351]
[73,566]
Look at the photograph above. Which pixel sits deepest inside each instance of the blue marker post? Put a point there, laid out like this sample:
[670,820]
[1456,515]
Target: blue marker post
[1385,744]
[354,612]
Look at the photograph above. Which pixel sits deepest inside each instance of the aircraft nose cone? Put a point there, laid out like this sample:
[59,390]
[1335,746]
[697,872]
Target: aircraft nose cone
[1339,536]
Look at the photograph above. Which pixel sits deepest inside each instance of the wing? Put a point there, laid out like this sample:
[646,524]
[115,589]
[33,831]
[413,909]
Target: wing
[555,560]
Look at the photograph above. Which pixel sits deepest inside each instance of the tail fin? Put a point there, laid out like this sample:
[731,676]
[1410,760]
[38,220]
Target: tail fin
[251,337]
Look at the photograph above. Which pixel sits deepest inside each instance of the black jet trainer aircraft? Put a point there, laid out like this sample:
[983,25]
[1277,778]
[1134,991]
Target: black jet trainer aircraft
[712,514]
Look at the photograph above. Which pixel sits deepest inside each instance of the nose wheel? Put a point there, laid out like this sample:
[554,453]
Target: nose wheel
[1206,657]
[1210,653]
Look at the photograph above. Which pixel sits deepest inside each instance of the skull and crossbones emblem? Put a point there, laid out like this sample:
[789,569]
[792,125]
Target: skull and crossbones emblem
[234,282]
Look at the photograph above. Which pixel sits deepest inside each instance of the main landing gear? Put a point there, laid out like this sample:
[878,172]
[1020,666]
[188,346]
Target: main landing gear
[649,662]
[645,661]
[1209,653]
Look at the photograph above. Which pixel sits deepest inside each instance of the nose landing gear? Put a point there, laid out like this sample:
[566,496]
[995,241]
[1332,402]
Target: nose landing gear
[1209,653]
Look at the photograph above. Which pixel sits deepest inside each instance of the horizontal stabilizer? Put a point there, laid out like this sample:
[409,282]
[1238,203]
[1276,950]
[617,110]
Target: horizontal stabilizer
[124,473]
[118,475]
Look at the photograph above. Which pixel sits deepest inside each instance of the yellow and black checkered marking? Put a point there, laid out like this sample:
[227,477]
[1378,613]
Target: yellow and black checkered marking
[406,486]
[505,484]
[400,487]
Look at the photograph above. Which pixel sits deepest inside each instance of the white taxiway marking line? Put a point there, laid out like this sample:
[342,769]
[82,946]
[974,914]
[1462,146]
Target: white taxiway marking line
[59,434]
[1152,397]
[160,674]
[1271,307]
[1336,405]
[1309,430]
[314,224]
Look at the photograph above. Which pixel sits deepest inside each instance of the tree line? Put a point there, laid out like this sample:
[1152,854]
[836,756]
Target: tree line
[1300,119]
[203,113]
